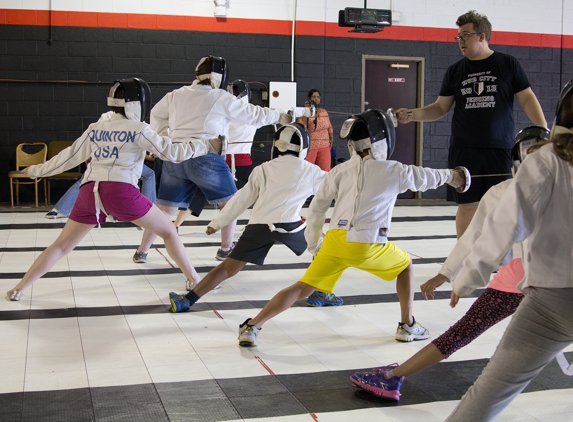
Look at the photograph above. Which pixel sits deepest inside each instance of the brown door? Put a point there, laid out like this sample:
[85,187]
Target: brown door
[394,84]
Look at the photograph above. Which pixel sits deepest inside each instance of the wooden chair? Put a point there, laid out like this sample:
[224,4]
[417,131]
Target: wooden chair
[54,148]
[27,154]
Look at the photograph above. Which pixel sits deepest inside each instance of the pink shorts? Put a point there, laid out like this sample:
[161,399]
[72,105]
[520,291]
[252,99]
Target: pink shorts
[120,200]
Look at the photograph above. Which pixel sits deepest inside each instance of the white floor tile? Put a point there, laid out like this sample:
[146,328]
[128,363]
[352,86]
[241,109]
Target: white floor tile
[65,353]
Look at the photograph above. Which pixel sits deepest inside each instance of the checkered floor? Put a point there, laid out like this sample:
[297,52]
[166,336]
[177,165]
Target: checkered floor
[93,339]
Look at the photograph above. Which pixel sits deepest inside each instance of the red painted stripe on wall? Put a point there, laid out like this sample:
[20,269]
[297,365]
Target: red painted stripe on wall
[261,26]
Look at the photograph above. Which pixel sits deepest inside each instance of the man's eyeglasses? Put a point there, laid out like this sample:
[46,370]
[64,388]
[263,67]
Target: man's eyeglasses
[465,36]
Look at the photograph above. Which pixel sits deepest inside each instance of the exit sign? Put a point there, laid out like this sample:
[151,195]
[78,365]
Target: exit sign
[396,79]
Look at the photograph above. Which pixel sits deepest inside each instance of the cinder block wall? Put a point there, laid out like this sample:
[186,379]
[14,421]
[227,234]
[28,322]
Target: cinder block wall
[90,59]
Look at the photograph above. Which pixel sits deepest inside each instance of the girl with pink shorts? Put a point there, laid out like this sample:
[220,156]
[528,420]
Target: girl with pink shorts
[117,145]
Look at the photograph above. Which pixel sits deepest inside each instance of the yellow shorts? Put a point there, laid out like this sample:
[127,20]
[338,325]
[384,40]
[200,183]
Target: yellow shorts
[336,255]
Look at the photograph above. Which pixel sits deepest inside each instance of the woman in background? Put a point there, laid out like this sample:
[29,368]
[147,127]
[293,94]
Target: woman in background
[320,131]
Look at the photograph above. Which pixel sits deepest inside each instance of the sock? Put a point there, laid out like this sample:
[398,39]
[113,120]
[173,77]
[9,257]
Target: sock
[252,325]
[408,325]
[192,297]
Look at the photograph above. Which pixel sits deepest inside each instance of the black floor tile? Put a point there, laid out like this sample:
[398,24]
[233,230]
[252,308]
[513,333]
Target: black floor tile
[185,391]
[53,402]
[132,395]
[11,403]
[196,401]
[10,417]
[251,387]
[440,383]
[470,370]
[131,413]
[215,416]
[76,415]
[267,405]
[330,400]
[313,382]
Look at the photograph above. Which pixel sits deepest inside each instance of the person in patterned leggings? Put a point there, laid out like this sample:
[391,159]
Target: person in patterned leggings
[490,308]
[499,300]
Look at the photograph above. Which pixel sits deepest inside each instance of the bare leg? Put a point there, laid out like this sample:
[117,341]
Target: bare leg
[464,217]
[405,290]
[426,357]
[68,239]
[226,269]
[227,232]
[281,302]
[158,223]
[148,235]
[181,217]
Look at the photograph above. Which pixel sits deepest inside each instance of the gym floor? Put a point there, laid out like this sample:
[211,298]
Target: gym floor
[94,338]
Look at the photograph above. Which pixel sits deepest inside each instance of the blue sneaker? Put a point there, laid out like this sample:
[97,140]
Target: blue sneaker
[324,299]
[179,303]
[377,384]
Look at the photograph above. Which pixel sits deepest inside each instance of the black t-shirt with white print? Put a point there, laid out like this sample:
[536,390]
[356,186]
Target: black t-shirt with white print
[484,92]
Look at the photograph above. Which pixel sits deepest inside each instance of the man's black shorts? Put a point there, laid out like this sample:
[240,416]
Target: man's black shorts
[257,239]
[479,161]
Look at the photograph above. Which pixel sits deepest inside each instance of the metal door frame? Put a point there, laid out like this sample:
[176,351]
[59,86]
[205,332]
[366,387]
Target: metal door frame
[420,94]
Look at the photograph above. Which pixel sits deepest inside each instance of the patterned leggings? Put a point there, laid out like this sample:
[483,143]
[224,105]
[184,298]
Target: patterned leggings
[490,308]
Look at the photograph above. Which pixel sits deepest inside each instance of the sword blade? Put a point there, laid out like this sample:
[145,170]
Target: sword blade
[491,175]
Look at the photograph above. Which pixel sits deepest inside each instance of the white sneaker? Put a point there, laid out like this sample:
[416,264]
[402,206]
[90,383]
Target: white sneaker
[416,331]
[190,285]
[248,334]
[53,214]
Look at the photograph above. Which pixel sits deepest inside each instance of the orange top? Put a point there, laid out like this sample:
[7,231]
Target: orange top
[319,129]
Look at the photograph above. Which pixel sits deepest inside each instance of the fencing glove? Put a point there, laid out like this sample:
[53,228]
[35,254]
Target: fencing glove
[460,179]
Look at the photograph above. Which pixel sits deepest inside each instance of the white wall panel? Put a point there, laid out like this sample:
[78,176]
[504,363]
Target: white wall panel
[132,6]
[34,4]
[102,6]
[548,17]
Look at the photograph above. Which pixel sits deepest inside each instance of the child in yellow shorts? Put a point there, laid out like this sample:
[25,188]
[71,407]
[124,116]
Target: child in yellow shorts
[365,189]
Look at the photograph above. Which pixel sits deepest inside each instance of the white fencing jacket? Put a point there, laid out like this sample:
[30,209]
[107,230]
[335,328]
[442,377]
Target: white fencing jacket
[365,192]
[240,138]
[117,148]
[200,112]
[278,188]
[537,206]
[463,246]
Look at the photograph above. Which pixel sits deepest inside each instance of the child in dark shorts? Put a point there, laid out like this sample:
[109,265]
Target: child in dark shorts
[278,190]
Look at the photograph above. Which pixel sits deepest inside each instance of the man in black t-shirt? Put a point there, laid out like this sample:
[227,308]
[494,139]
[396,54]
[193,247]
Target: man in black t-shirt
[482,85]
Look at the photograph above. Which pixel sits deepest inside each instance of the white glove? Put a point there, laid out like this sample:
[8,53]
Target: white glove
[285,119]
[309,111]
[314,252]
[218,145]
[460,179]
